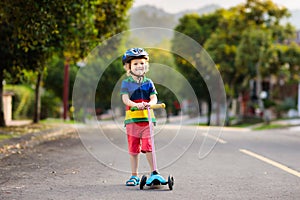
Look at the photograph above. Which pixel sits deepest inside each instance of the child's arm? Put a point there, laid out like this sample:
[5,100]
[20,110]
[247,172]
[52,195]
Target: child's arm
[126,100]
[153,101]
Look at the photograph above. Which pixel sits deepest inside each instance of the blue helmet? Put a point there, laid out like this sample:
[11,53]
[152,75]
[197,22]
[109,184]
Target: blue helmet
[134,53]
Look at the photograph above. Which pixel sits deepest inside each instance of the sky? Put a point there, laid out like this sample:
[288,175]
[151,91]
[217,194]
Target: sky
[173,6]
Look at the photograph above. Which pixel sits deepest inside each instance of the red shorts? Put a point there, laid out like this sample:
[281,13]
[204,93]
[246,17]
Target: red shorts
[138,136]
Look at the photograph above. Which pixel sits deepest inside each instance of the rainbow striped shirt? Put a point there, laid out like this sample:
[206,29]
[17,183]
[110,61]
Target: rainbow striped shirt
[138,92]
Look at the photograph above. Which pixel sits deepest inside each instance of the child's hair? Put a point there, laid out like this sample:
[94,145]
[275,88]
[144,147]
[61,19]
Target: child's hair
[134,53]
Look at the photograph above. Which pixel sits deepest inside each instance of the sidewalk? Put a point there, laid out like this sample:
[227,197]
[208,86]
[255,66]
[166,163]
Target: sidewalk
[293,123]
[30,139]
[289,124]
[18,122]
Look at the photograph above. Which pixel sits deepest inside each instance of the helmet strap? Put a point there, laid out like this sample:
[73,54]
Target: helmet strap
[140,77]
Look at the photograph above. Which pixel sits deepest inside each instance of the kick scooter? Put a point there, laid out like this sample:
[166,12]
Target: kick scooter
[155,179]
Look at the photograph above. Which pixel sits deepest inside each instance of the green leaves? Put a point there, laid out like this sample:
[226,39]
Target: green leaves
[246,42]
[31,31]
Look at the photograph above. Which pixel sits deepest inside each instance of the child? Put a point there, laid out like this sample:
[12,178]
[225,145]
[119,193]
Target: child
[138,91]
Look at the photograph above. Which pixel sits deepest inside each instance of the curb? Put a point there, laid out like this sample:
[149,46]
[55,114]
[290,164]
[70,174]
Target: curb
[17,145]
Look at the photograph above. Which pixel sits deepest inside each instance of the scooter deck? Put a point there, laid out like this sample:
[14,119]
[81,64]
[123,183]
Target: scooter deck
[156,180]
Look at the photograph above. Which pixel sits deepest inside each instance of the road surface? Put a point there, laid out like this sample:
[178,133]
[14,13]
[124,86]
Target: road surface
[207,163]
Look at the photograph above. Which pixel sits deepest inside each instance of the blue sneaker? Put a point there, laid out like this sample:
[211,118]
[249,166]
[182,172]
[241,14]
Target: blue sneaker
[133,181]
[154,173]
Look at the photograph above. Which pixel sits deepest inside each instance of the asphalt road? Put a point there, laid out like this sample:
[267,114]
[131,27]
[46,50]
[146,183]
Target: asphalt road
[207,163]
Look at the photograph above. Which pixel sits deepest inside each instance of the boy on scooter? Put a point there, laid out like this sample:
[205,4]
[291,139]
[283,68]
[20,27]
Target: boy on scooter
[138,91]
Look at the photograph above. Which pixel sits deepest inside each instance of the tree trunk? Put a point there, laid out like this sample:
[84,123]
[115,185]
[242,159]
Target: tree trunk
[66,89]
[209,112]
[37,104]
[2,121]
[227,117]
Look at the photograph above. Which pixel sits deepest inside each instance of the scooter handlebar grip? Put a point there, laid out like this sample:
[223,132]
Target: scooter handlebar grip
[155,106]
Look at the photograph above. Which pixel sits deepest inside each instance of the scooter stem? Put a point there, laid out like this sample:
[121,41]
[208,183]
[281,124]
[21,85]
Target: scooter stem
[152,140]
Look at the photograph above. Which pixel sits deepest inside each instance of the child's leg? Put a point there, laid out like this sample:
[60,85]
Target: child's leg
[134,162]
[134,179]
[133,146]
[147,145]
[150,160]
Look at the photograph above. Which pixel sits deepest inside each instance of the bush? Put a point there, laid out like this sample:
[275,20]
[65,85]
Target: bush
[23,101]
[51,105]
[287,104]
[269,103]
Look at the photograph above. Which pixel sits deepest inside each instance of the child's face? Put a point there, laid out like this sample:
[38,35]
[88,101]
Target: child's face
[138,66]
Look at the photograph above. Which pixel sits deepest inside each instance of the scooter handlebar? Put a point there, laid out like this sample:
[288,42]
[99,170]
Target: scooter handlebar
[155,106]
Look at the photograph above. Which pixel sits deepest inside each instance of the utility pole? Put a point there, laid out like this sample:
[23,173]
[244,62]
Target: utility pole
[258,87]
[66,89]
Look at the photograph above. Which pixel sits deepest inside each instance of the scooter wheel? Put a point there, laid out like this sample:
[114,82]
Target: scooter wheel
[170,182]
[143,182]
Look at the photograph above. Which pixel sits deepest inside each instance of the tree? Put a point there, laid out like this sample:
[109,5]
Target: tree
[221,34]
[6,59]
[260,15]
[110,18]
[291,56]
[200,29]
[252,57]
[237,62]
[34,30]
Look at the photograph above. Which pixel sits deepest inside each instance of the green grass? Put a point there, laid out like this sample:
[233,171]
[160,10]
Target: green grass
[17,131]
[245,125]
[5,136]
[200,124]
[57,121]
[268,126]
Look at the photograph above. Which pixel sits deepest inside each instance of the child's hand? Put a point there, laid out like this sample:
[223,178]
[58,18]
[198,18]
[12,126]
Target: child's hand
[146,105]
[140,106]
